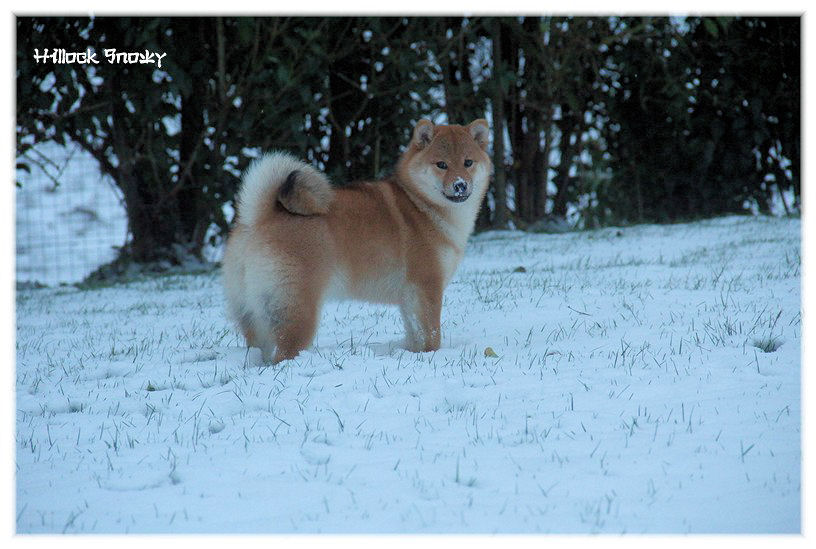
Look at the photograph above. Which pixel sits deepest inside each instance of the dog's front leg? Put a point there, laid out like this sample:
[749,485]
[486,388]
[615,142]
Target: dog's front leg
[421,310]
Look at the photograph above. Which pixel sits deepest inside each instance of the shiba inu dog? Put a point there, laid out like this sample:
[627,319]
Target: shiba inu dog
[298,241]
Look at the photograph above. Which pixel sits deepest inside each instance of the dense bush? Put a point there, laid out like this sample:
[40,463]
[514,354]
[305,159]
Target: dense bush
[618,119]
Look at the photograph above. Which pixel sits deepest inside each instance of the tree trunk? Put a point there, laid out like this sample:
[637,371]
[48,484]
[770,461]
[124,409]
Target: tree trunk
[543,162]
[563,179]
[189,199]
[499,180]
[152,231]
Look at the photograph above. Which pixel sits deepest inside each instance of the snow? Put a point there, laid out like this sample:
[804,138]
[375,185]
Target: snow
[65,231]
[629,394]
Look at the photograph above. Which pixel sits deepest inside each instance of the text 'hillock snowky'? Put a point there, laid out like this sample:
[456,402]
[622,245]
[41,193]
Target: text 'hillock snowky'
[60,56]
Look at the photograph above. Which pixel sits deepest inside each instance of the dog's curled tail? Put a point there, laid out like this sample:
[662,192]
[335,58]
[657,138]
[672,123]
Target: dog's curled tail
[278,176]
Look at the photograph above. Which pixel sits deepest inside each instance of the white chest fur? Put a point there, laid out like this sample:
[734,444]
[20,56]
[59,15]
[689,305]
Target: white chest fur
[449,259]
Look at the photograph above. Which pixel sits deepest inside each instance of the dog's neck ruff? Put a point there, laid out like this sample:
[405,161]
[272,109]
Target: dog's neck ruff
[455,227]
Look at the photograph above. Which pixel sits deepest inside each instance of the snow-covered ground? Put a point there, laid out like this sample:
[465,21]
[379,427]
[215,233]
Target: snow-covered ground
[646,379]
[69,218]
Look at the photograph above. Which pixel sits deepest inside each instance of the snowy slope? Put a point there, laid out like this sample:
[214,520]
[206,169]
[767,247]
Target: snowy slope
[64,231]
[629,394]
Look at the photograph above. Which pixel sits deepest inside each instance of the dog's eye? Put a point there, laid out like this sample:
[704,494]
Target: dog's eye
[468,163]
[441,165]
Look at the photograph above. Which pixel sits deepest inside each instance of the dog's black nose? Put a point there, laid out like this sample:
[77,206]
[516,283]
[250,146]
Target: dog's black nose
[460,187]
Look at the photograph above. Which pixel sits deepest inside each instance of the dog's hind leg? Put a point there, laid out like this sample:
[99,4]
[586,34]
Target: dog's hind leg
[247,328]
[297,330]
[286,319]
[301,314]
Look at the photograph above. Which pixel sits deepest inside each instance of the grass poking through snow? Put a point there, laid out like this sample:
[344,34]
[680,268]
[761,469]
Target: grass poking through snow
[643,379]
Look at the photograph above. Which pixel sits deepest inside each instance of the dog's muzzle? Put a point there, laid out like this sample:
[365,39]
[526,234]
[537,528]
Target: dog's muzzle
[460,191]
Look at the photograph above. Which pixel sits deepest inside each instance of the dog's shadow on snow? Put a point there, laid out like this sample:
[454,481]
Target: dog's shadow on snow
[250,357]
[368,348]
[388,348]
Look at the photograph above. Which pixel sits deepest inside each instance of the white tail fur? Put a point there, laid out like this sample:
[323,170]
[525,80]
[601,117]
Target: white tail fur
[263,179]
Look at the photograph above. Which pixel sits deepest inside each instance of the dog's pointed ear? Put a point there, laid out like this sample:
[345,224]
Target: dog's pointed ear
[480,132]
[423,133]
